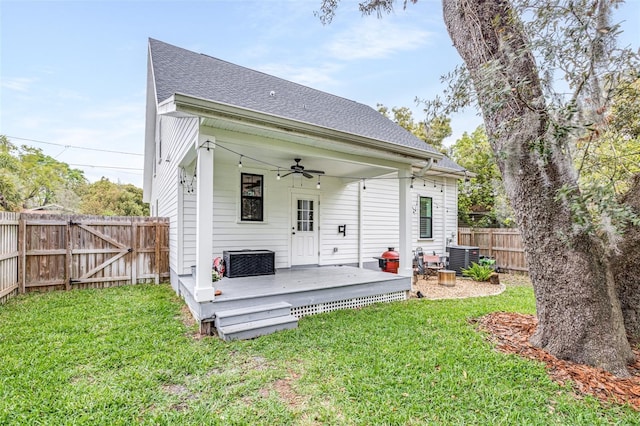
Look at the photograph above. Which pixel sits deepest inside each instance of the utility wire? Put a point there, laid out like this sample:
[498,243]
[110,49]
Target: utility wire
[105,167]
[73,146]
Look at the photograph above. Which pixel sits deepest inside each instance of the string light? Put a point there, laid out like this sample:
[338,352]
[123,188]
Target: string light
[279,168]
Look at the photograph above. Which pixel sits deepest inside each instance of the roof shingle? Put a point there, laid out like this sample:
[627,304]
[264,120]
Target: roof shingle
[178,70]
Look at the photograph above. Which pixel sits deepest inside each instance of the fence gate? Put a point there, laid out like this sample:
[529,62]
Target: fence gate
[103,260]
[64,252]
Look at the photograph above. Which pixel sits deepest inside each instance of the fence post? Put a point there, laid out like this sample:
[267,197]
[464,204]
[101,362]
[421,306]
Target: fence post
[22,258]
[69,259]
[491,242]
[158,240]
[134,252]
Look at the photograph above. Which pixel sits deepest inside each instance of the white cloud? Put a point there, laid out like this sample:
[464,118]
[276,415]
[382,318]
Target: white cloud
[375,39]
[19,84]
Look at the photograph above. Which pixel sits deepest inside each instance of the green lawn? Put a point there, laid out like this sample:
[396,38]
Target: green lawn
[124,355]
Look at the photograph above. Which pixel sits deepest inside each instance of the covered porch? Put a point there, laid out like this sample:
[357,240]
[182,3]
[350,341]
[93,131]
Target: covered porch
[268,303]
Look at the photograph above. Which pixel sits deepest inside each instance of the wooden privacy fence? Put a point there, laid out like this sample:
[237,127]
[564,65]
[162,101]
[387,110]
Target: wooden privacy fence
[61,252]
[503,244]
[9,255]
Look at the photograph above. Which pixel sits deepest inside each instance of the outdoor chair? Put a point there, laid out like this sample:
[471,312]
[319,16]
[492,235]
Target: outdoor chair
[433,264]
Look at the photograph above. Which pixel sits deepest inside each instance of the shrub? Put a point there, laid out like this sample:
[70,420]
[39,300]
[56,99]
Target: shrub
[478,272]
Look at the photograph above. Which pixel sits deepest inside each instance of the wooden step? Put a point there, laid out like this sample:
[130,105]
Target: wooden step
[262,327]
[251,313]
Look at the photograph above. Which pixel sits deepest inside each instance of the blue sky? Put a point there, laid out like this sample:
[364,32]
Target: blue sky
[73,73]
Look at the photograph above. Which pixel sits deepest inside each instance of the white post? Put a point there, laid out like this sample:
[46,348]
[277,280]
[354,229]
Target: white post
[360,224]
[204,290]
[404,192]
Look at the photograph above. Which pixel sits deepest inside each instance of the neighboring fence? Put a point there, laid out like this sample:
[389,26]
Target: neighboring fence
[8,255]
[42,252]
[503,244]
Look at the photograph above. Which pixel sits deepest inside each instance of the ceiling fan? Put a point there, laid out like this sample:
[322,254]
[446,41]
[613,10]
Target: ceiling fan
[297,168]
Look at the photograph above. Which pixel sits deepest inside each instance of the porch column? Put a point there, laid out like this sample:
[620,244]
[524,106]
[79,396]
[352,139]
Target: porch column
[204,290]
[404,208]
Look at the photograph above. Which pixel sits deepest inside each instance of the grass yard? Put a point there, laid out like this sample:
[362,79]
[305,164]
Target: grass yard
[124,355]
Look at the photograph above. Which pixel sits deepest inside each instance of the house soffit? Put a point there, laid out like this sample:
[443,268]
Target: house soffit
[228,117]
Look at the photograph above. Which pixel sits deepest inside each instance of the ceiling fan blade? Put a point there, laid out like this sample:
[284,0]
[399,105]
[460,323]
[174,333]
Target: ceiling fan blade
[307,175]
[315,172]
[286,174]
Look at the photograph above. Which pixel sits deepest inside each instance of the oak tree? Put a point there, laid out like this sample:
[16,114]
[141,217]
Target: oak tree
[571,237]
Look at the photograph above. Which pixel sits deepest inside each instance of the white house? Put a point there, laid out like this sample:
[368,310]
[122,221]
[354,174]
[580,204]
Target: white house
[238,159]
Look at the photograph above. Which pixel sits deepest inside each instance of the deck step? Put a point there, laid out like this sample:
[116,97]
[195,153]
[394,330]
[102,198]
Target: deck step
[251,313]
[262,327]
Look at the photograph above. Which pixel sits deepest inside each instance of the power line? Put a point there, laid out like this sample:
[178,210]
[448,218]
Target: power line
[73,146]
[105,167]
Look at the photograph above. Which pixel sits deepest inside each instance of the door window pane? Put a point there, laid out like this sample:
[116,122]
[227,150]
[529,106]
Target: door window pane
[305,215]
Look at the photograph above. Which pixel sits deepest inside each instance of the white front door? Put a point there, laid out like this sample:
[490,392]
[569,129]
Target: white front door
[304,230]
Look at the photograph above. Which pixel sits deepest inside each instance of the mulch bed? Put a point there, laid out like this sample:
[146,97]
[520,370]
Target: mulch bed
[510,332]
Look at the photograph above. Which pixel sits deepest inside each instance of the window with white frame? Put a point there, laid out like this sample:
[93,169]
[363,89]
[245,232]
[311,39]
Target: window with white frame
[426,217]
[251,197]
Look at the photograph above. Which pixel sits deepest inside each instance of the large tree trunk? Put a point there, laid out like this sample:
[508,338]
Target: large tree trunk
[626,267]
[578,311]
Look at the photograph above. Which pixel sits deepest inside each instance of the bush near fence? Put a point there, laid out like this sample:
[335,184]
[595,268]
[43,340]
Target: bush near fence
[502,244]
[44,252]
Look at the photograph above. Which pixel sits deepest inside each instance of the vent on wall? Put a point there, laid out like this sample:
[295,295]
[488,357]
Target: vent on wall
[461,257]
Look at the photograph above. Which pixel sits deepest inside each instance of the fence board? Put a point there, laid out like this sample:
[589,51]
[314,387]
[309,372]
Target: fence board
[504,245]
[44,252]
[9,255]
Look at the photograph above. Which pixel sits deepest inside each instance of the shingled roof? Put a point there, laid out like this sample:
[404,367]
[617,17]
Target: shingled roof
[178,70]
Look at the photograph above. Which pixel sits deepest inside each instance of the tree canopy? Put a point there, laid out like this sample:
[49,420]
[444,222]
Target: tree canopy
[29,178]
[482,199]
[433,132]
[113,199]
[545,74]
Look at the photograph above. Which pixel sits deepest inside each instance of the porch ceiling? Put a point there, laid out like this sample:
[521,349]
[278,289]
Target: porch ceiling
[335,159]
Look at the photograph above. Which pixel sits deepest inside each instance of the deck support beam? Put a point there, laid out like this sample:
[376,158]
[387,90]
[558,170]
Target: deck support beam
[204,290]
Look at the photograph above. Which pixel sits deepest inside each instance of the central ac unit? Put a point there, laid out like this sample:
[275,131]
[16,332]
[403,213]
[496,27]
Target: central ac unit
[461,257]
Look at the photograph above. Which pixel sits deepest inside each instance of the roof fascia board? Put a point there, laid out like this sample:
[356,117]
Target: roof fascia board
[197,106]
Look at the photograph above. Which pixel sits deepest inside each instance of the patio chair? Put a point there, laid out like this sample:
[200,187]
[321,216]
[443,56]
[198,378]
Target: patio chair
[433,264]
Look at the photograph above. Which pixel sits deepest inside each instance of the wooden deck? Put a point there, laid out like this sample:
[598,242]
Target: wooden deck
[308,290]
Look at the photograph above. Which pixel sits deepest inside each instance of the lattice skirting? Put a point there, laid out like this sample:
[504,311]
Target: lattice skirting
[356,302]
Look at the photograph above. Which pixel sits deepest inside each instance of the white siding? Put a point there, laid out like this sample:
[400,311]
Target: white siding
[175,134]
[444,212]
[188,229]
[339,206]
[380,217]
[229,233]
[380,227]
